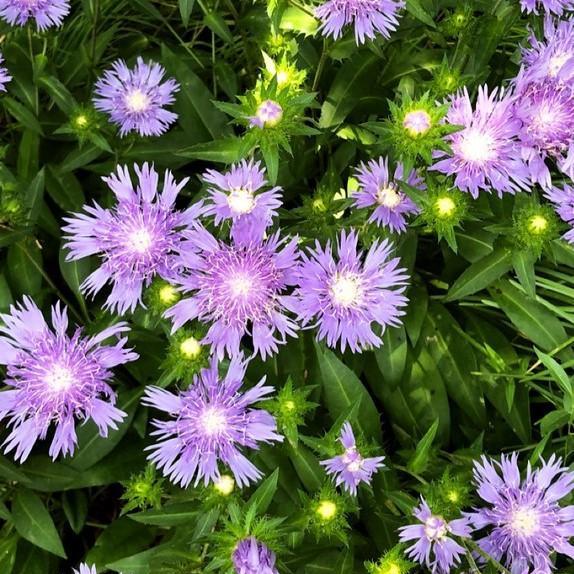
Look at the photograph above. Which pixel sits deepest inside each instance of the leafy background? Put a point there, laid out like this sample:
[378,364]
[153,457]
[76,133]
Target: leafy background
[480,364]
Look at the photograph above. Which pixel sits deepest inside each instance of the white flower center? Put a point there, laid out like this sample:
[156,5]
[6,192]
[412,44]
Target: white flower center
[240,285]
[545,117]
[435,528]
[524,521]
[137,101]
[140,240]
[241,200]
[476,146]
[346,289]
[387,196]
[212,421]
[60,378]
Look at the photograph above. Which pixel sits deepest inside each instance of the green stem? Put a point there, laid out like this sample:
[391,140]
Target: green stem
[320,66]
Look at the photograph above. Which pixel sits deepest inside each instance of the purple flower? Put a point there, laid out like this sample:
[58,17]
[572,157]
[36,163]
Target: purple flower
[345,295]
[268,114]
[85,569]
[557,7]
[47,13]
[368,16]
[552,57]
[253,557]
[350,468]
[135,98]
[376,187]
[486,152]
[524,520]
[211,421]
[135,239]
[546,111]
[434,547]
[417,122]
[232,195]
[5,77]
[563,200]
[238,288]
[56,378]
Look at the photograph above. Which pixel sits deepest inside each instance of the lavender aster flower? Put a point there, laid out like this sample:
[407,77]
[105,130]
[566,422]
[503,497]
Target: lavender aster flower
[47,13]
[350,468]
[135,239]
[347,294]
[546,110]
[135,99]
[368,16]
[5,77]
[485,153]
[524,520]
[253,557]
[557,7]
[376,187]
[552,57]
[268,114]
[233,196]
[56,378]
[211,421]
[434,547]
[85,569]
[238,288]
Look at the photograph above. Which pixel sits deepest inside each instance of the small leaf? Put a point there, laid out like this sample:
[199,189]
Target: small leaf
[34,523]
[420,459]
[264,494]
[185,9]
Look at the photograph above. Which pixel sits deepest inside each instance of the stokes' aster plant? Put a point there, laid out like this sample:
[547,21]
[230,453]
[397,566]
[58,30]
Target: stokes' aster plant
[434,547]
[485,153]
[233,195]
[351,468]
[378,188]
[5,77]
[135,98]
[253,557]
[344,296]
[524,521]
[556,7]
[211,421]
[46,13]
[55,378]
[135,239]
[368,16]
[238,288]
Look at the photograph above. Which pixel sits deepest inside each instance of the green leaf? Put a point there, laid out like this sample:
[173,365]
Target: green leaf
[79,158]
[342,390]
[226,150]
[22,114]
[8,547]
[271,157]
[264,494]
[11,472]
[34,523]
[45,475]
[185,8]
[59,93]
[24,268]
[33,196]
[481,274]
[171,515]
[420,459]
[307,467]
[559,375]
[531,318]
[215,22]
[296,20]
[91,446]
[74,273]
[523,263]
[75,504]
[351,83]
[64,189]
[392,356]
[415,8]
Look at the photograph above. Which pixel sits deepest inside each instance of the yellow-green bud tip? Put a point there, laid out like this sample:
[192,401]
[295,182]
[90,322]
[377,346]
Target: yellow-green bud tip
[445,206]
[327,510]
[81,121]
[417,122]
[225,485]
[190,348]
[392,568]
[453,496]
[289,405]
[537,224]
[168,295]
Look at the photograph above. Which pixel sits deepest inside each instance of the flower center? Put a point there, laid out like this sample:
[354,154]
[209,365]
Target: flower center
[417,122]
[240,286]
[435,528]
[225,485]
[137,101]
[59,378]
[445,206]
[538,224]
[327,510]
[140,240]
[190,348]
[213,421]
[476,146]
[269,113]
[524,521]
[346,289]
[387,196]
[241,200]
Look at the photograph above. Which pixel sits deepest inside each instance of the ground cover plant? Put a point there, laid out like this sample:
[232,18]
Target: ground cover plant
[286,286]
